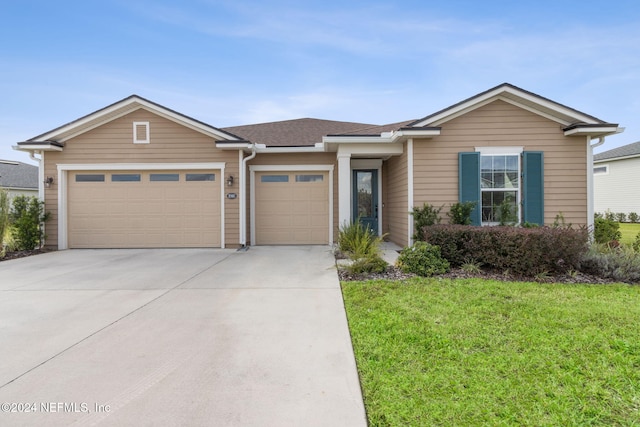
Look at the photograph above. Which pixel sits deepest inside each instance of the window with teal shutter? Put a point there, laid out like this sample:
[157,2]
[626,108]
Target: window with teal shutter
[533,187]
[492,180]
[469,182]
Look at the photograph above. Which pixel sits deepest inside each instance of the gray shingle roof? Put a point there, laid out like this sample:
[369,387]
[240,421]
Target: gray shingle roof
[624,151]
[294,133]
[18,175]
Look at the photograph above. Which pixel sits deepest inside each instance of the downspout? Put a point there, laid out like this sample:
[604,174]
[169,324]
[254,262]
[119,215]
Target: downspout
[40,172]
[590,189]
[243,196]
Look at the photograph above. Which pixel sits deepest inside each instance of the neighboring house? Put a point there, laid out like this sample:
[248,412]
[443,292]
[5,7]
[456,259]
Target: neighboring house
[18,178]
[616,174]
[138,174]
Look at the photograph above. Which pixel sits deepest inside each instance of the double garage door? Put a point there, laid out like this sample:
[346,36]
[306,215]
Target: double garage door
[144,209]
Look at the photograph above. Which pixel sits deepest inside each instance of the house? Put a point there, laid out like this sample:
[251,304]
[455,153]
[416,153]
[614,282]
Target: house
[138,174]
[18,178]
[615,175]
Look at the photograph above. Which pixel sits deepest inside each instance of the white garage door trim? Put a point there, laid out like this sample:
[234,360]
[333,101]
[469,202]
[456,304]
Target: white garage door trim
[288,168]
[63,242]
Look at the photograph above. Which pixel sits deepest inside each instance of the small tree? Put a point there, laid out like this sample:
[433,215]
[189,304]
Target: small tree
[606,230]
[460,213]
[424,216]
[28,218]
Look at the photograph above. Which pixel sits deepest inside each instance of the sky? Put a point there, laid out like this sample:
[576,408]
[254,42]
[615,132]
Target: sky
[235,62]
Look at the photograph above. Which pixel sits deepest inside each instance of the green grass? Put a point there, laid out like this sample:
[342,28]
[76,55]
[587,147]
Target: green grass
[478,352]
[629,232]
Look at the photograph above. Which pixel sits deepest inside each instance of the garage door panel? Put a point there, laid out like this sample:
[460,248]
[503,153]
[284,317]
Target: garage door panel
[144,213]
[292,212]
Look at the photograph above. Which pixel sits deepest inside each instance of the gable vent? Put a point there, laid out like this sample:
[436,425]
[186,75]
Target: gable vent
[140,132]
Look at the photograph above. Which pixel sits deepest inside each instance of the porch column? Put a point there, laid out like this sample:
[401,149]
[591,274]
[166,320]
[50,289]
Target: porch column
[344,188]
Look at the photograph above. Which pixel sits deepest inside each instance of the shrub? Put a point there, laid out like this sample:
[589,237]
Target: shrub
[560,222]
[633,217]
[422,259]
[362,245]
[522,251]
[371,264]
[508,215]
[28,218]
[357,240]
[609,215]
[598,215]
[636,243]
[620,264]
[605,230]
[460,213]
[621,217]
[4,218]
[425,216]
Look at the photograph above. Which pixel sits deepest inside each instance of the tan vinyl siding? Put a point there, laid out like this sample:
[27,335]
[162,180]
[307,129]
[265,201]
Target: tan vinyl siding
[395,198]
[293,159]
[502,124]
[170,142]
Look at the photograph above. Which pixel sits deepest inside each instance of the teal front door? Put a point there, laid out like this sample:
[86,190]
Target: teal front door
[365,198]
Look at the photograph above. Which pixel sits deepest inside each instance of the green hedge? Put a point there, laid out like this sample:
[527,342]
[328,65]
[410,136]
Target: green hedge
[521,251]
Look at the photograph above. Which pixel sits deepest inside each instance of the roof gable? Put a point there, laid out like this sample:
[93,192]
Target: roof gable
[121,108]
[537,104]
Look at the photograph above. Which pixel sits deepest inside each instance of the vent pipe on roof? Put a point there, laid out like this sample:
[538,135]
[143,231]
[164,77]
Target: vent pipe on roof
[243,196]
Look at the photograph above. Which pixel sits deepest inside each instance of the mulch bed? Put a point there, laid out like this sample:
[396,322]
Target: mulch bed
[22,254]
[393,273]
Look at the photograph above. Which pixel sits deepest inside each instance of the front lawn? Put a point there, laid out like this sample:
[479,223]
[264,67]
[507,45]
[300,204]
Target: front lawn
[629,232]
[482,352]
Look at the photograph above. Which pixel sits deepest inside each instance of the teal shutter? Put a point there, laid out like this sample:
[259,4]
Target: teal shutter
[469,183]
[533,187]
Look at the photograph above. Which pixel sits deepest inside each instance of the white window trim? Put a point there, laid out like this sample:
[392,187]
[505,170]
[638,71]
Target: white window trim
[503,151]
[135,133]
[287,168]
[606,169]
[63,169]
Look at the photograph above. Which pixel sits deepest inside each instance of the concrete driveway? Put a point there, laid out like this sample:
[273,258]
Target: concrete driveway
[176,337]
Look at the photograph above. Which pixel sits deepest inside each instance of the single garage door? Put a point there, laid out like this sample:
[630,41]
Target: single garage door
[143,209]
[292,208]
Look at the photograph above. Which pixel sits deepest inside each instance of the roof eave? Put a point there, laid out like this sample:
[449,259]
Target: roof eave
[39,146]
[393,137]
[593,130]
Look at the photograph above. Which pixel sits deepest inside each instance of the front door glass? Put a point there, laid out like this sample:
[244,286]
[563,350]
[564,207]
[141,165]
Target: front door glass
[365,201]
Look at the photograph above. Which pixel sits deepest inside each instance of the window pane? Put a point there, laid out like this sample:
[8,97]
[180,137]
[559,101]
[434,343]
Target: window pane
[600,169]
[365,194]
[201,177]
[500,206]
[165,177]
[90,178]
[309,178]
[274,178]
[125,177]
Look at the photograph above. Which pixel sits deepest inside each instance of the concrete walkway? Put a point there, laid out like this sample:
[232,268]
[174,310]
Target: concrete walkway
[176,337]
